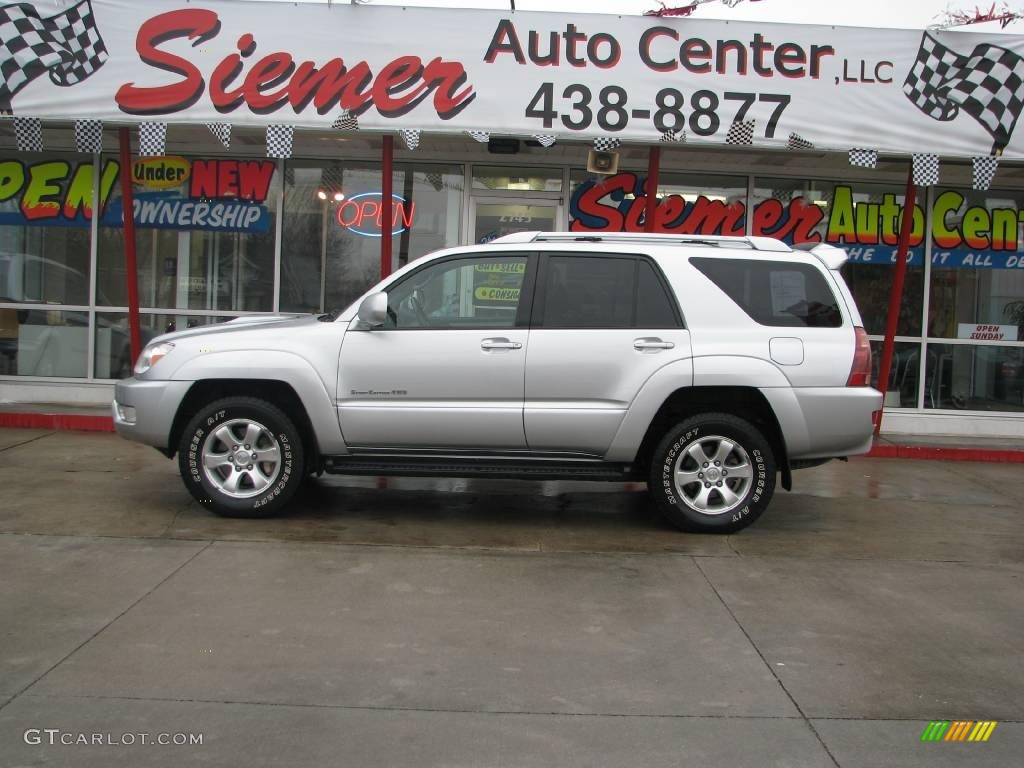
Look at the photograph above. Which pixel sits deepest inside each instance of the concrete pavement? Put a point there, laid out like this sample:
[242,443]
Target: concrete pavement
[461,623]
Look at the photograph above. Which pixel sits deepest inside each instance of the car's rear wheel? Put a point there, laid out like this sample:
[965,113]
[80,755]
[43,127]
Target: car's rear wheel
[712,473]
[241,457]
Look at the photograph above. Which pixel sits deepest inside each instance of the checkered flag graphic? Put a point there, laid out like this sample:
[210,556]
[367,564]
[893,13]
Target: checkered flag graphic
[89,136]
[346,121]
[864,158]
[926,169]
[482,136]
[741,133]
[152,139]
[279,141]
[436,180]
[604,144]
[545,139]
[411,137]
[222,132]
[796,141]
[67,44]
[672,135]
[28,132]
[985,171]
[988,85]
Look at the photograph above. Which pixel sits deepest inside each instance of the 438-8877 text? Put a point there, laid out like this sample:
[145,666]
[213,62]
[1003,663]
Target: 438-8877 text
[702,114]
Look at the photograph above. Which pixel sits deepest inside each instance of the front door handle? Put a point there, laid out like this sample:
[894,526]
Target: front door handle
[646,345]
[499,343]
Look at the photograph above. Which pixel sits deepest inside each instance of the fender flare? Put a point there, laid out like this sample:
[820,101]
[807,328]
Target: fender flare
[274,365]
[645,405]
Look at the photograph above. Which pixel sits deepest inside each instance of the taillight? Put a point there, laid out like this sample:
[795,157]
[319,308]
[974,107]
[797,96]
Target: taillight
[860,373]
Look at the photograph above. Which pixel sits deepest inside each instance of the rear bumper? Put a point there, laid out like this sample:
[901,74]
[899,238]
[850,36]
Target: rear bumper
[825,422]
[144,410]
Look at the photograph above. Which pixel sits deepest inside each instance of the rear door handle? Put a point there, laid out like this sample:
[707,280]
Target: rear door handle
[499,343]
[646,345]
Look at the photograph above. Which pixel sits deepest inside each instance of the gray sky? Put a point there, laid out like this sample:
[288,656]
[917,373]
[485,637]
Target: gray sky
[914,14]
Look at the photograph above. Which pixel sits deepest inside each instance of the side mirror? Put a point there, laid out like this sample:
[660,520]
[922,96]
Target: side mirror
[374,309]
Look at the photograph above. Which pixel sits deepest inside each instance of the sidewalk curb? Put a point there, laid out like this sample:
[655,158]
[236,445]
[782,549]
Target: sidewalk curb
[78,422]
[938,453]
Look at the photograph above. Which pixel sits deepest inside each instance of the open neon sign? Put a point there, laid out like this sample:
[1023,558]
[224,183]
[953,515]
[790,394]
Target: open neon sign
[364,214]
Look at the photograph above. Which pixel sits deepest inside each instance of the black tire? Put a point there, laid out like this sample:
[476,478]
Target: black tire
[205,431]
[724,515]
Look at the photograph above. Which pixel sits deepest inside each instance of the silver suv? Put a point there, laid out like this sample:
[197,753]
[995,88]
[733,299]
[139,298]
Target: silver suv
[705,366]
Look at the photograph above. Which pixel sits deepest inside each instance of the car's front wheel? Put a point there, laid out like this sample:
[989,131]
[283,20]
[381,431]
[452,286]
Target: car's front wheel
[712,473]
[241,457]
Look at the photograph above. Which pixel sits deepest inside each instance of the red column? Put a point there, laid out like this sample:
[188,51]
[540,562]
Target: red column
[387,205]
[653,165]
[896,297]
[131,271]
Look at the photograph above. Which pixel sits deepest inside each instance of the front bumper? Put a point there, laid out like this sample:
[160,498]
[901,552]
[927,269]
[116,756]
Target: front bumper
[144,410]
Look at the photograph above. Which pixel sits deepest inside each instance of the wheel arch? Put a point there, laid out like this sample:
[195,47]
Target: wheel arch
[278,393]
[747,403]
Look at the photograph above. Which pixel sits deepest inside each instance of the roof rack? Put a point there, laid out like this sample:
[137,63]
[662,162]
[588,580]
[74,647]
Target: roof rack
[753,243]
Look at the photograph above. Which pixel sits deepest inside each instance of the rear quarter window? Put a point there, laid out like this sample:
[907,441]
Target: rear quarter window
[775,293]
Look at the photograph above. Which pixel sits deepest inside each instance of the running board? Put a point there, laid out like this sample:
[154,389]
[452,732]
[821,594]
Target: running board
[494,468]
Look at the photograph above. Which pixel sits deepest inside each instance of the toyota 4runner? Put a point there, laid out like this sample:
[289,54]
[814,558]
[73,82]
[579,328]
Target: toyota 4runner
[706,366]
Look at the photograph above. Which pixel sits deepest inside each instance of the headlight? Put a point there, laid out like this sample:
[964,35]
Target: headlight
[152,355]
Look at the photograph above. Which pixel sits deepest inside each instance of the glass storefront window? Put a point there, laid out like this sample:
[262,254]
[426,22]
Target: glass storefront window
[688,203]
[113,352]
[904,373]
[204,235]
[333,219]
[974,377]
[38,341]
[863,219]
[516,179]
[492,220]
[45,213]
[977,282]
[45,217]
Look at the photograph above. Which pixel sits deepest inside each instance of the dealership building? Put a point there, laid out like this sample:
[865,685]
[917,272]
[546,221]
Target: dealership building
[258,175]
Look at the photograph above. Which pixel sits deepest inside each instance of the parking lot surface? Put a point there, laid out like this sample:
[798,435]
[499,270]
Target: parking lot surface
[412,622]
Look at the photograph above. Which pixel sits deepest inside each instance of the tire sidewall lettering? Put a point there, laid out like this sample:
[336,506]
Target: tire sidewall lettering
[756,495]
[194,464]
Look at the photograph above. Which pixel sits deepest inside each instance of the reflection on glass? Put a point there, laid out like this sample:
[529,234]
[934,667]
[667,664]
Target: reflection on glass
[863,219]
[904,373]
[113,351]
[521,179]
[43,342]
[499,219]
[44,232]
[688,203]
[974,378]
[977,284]
[334,215]
[477,293]
[207,243]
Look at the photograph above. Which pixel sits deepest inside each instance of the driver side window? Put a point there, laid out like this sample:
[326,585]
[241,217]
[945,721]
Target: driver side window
[460,293]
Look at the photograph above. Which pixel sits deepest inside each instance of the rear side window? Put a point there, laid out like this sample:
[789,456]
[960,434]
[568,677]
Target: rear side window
[775,293]
[604,292]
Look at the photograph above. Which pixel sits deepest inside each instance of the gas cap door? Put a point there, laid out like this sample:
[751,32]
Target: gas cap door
[786,350]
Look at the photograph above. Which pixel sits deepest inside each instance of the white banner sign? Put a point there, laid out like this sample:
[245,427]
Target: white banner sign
[569,75]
